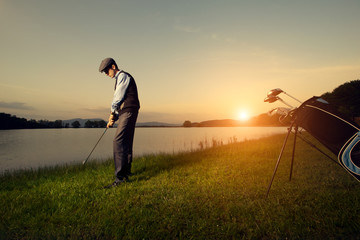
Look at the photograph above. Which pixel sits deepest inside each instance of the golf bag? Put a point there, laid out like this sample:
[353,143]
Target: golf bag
[337,133]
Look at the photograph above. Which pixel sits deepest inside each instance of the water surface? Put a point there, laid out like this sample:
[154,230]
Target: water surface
[33,148]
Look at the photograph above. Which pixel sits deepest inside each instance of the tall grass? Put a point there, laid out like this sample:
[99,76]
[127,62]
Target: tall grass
[215,193]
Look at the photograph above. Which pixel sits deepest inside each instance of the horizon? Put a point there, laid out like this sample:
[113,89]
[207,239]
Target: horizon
[191,60]
[248,119]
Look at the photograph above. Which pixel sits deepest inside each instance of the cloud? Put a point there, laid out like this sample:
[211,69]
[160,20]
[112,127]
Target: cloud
[167,117]
[187,29]
[97,110]
[15,105]
[217,37]
[213,36]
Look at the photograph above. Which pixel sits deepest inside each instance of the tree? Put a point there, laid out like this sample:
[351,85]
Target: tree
[187,124]
[75,124]
[95,124]
[102,124]
[88,124]
[58,124]
[346,98]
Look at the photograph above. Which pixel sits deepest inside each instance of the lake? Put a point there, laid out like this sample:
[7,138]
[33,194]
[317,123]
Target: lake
[33,148]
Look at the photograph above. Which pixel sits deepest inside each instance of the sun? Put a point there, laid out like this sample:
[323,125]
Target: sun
[243,116]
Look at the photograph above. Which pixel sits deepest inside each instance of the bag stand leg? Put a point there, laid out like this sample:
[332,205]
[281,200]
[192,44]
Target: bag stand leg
[293,153]
[280,155]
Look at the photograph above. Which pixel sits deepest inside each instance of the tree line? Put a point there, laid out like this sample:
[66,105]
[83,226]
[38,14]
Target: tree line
[346,99]
[8,121]
[257,121]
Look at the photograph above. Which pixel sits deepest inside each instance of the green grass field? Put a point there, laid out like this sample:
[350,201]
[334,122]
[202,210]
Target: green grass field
[216,193]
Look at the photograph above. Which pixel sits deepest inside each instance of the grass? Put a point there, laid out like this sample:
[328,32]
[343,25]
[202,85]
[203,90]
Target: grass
[215,193]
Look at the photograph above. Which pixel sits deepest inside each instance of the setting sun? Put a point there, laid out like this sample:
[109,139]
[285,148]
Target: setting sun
[243,116]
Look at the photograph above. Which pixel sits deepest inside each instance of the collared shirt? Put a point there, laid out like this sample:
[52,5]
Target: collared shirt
[122,81]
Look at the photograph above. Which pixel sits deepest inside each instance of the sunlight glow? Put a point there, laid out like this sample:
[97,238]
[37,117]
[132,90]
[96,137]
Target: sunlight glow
[243,116]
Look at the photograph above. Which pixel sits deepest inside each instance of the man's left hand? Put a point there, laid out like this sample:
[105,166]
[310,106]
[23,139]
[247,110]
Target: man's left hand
[110,124]
[112,119]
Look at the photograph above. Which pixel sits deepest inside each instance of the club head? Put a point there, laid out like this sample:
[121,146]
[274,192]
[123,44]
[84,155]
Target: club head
[274,92]
[271,99]
[279,111]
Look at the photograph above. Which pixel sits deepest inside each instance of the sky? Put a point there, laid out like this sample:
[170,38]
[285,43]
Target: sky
[192,60]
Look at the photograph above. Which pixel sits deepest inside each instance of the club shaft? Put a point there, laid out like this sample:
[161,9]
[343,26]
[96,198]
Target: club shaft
[292,97]
[285,103]
[95,146]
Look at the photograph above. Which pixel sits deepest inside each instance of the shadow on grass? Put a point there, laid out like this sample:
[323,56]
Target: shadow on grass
[149,166]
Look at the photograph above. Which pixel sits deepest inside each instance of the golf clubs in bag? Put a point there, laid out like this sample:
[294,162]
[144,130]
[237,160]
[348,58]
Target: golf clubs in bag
[337,133]
[331,128]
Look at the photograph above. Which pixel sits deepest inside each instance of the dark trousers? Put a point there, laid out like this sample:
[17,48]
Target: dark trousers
[123,144]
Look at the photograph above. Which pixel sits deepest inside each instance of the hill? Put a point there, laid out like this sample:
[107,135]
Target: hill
[262,120]
[81,121]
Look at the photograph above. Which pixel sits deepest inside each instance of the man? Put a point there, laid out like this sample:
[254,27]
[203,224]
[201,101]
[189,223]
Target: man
[125,107]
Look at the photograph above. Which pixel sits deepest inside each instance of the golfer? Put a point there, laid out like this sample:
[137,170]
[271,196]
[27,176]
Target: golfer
[125,107]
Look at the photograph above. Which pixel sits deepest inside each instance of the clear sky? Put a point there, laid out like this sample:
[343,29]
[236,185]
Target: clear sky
[192,59]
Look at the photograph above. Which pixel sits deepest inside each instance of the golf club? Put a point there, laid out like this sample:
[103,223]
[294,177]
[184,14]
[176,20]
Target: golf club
[280,111]
[271,99]
[277,91]
[95,146]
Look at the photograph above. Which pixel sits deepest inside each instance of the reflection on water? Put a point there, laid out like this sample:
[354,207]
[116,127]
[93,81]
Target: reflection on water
[33,148]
